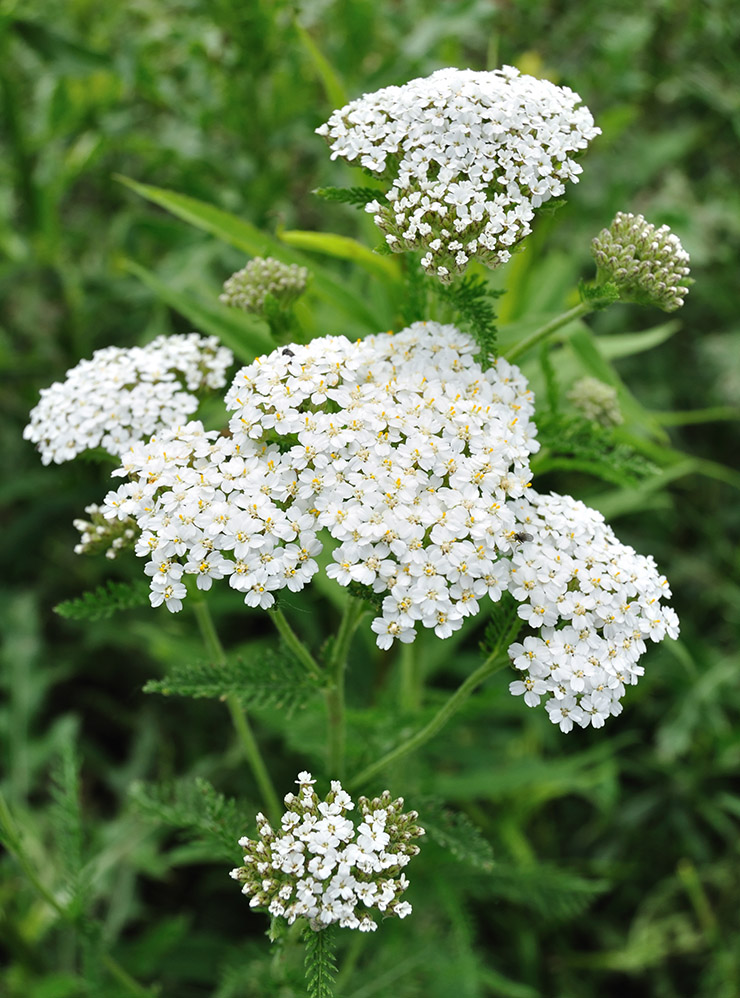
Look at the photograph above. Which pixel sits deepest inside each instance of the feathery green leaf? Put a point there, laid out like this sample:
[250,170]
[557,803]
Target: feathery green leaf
[455,832]
[104,601]
[320,965]
[268,678]
[472,298]
[351,195]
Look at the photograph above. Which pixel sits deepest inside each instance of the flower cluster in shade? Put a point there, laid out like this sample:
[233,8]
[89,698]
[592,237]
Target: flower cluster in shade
[119,396]
[469,157]
[597,401]
[321,866]
[648,265]
[399,447]
[101,536]
[249,287]
[593,603]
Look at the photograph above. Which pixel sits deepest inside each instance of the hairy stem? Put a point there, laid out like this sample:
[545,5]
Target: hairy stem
[238,715]
[541,334]
[293,642]
[336,663]
[492,664]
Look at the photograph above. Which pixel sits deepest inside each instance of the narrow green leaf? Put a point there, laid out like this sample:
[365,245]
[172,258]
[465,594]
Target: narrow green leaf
[245,334]
[344,248]
[327,74]
[105,601]
[248,238]
[628,344]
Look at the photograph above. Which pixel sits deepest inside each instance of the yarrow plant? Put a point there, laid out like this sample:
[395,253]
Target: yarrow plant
[400,466]
[322,866]
[470,158]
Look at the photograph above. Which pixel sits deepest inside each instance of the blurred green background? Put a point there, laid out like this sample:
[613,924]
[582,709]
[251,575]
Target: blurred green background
[617,857]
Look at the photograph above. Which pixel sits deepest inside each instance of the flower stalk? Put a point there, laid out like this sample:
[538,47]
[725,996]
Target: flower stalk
[239,718]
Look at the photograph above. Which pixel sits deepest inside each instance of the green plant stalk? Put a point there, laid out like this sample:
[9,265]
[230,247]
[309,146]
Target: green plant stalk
[238,716]
[293,642]
[11,839]
[334,695]
[541,334]
[492,664]
[410,691]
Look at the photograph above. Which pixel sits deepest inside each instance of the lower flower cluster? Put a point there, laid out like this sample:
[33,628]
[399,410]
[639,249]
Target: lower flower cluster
[322,867]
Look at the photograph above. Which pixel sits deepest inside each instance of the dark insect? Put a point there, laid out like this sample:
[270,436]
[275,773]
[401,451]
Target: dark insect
[522,536]
[288,353]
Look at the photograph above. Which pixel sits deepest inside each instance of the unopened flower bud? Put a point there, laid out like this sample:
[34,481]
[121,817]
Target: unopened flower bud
[647,265]
[597,401]
[262,276]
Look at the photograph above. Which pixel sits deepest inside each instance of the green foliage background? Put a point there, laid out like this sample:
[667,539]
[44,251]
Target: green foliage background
[557,866]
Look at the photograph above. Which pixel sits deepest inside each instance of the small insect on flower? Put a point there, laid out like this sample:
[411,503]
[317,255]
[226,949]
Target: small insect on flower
[522,536]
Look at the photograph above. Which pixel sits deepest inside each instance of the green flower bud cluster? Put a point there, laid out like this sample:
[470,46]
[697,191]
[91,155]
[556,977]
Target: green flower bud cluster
[597,401]
[647,265]
[249,287]
[101,536]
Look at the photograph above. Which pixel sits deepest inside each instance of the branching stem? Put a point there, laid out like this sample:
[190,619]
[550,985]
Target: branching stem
[294,643]
[492,664]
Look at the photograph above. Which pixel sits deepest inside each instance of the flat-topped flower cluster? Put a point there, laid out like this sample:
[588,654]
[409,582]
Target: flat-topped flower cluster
[400,446]
[120,395]
[470,155]
[415,462]
[319,866]
[593,601]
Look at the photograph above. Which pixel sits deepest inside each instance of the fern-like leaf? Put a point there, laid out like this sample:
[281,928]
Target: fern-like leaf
[321,968]
[67,825]
[105,601]
[266,679]
[196,808]
[351,195]
[503,626]
[455,832]
[472,298]
[553,893]
[572,442]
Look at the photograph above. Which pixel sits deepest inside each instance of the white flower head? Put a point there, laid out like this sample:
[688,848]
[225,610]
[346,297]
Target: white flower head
[319,866]
[470,156]
[120,396]
[592,601]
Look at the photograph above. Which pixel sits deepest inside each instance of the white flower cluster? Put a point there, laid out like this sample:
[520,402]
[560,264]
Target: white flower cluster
[109,537]
[415,462]
[597,401]
[648,265]
[593,600]
[400,446]
[319,866]
[120,396]
[263,276]
[470,156]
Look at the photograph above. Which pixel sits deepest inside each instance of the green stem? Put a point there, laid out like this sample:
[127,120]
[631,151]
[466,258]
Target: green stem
[293,642]
[238,716]
[492,664]
[335,665]
[123,977]
[549,328]
[410,692]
